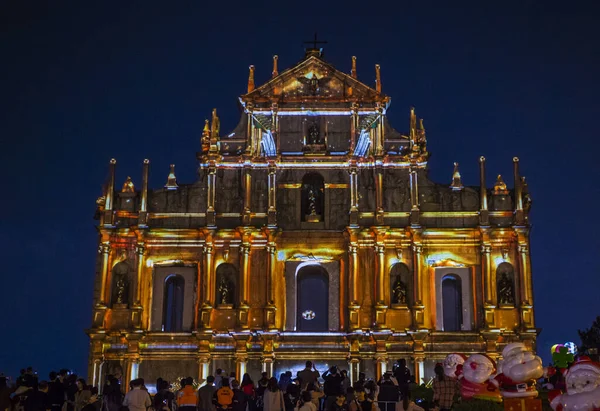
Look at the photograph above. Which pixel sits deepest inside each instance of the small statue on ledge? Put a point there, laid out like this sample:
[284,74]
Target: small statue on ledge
[399,292]
[225,291]
[313,135]
[506,295]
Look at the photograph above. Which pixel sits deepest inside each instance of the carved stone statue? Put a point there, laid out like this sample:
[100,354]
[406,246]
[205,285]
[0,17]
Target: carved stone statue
[506,292]
[312,205]
[399,292]
[225,289]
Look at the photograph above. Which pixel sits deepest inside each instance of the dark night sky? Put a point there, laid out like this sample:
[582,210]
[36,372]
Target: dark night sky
[81,84]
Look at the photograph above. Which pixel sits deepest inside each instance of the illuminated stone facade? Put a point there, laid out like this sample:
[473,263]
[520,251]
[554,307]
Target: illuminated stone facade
[312,232]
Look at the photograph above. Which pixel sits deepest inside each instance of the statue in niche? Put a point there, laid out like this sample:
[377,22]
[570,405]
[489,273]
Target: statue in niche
[314,135]
[225,291]
[312,205]
[399,292]
[121,282]
[506,292]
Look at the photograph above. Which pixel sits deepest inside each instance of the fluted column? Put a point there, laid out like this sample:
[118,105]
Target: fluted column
[353,127]
[210,274]
[380,272]
[526,286]
[104,249]
[203,371]
[270,308]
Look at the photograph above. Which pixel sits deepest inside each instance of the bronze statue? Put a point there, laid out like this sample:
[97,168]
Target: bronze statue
[506,295]
[313,134]
[399,292]
[225,291]
[312,206]
[121,285]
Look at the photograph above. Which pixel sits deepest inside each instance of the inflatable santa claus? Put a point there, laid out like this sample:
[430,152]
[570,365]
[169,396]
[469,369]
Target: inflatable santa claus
[583,388]
[451,362]
[475,379]
[518,372]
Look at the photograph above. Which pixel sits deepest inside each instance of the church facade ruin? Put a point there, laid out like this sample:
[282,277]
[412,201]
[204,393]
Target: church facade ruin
[311,232]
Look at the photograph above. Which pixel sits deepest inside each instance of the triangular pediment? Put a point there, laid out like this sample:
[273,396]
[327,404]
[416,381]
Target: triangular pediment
[314,79]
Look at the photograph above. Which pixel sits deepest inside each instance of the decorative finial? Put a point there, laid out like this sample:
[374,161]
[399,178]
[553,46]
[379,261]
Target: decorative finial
[128,186]
[353,71]
[500,186]
[171,180]
[378,78]
[275,73]
[215,125]
[456,180]
[113,161]
[251,79]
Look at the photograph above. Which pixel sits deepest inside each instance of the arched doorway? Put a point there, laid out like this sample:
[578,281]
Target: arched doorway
[173,304]
[452,303]
[313,299]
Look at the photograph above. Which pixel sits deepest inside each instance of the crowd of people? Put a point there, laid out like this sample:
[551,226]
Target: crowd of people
[309,390]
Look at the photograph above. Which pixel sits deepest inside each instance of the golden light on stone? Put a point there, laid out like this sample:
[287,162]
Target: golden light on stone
[128,186]
[232,252]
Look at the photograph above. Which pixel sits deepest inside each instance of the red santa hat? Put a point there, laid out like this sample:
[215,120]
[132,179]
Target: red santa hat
[487,357]
[583,363]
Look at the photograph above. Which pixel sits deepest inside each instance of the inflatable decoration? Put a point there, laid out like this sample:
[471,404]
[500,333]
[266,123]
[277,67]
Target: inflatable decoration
[518,372]
[475,379]
[451,362]
[583,388]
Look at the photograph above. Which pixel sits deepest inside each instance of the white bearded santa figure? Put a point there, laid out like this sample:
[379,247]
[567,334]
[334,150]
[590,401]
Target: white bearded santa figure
[583,388]
[475,379]
[518,372]
[451,362]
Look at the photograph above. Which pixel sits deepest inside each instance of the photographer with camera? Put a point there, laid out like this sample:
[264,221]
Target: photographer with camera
[333,385]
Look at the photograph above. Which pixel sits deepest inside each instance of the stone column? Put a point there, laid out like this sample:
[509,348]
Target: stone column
[247,195]
[240,366]
[418,306]
[140,251]
[527,319]
[271,285]
[104,283]
[353,195]
[354,369]
[379,194]
[519,215]
[244,284]
[380,305]
[353,127]
[354,306]
[110,195]
[419,368]
[267,365]
[483,207]
[272,211]
[414,198]
[209,290]
[212,182]
[489,297]
[203,370]
[381,366]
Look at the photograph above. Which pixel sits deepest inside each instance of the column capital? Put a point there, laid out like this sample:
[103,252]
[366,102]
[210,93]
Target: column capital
[486,248]
[104,248]
[523,248]
[207,248]
[417,248]
[379,248]
[140,248]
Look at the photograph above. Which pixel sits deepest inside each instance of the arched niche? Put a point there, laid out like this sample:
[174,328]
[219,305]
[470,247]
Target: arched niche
[313,198]
[121,287]
[312,299]
[226,285]
[400,285]
[454,299]
[173,303]
[505,285]
[452,304]
[165,276]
